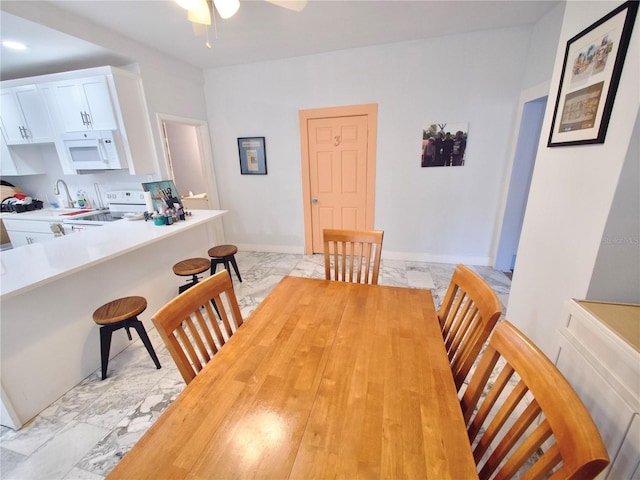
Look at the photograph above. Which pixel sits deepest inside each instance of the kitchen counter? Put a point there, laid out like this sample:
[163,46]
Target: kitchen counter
[48,214]
[48,340]
[34,265]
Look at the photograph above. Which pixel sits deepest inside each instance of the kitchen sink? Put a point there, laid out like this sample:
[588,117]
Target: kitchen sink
[78,212]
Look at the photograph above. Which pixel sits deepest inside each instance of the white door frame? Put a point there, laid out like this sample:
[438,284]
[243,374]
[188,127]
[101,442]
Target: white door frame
[204,147]
[206,159]
[533,93]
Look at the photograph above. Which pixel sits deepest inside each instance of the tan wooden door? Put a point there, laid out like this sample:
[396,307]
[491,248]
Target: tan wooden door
[338,150]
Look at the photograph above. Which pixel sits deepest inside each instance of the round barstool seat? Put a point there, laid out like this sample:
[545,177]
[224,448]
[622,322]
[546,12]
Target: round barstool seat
[119,309]
[191,267]
[224,254]
[117,314]
[222,251]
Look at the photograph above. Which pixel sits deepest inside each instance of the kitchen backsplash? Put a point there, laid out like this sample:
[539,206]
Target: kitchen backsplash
[41,186]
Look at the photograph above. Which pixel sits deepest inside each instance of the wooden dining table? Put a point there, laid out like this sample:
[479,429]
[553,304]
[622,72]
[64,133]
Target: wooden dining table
[324,379]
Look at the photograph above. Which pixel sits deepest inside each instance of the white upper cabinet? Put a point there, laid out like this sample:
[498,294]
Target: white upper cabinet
[84,104]
[25,118]
[101,98]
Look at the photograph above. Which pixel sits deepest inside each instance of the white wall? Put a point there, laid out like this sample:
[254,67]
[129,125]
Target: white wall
[435,214]
[616,275]
[570,199]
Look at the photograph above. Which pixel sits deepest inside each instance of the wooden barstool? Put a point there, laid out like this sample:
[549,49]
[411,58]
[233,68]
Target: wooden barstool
[224,254]
[190,267]
[121,313]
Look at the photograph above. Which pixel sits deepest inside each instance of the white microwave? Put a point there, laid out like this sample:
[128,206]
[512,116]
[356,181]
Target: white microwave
[94,150]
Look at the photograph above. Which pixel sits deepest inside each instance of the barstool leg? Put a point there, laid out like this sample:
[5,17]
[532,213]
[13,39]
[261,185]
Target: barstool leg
[142,333]
[235,267]
[105,346]
[214,265]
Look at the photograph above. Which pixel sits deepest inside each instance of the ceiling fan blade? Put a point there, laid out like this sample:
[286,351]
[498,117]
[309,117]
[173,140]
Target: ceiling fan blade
[295,5]
[200,14]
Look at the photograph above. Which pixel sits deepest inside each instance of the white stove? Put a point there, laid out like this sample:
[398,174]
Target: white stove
[126,201]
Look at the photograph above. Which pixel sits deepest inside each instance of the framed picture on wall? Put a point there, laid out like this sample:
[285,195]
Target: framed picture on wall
[253,157]
[593,62]
[444,144]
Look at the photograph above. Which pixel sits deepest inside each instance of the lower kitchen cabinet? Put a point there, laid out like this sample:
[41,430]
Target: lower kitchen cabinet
[26,232]
[598,351]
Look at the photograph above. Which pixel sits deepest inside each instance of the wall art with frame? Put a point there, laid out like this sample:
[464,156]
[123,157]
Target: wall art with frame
[444,144]
[253,156]
[593,62]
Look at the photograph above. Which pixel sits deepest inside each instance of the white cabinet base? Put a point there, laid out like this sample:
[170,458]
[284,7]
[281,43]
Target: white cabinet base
[604,369]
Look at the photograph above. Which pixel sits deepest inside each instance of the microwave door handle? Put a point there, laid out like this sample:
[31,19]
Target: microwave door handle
[102,151]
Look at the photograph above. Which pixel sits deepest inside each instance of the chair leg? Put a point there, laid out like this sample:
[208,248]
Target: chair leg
[105,346]
[142,333]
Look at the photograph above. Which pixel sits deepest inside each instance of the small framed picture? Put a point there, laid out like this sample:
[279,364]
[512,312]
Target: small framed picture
[593,62]
[253,156]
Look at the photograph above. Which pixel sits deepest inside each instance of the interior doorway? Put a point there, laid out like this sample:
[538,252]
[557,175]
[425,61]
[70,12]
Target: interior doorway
[525,155]
[338,169]
[188,154]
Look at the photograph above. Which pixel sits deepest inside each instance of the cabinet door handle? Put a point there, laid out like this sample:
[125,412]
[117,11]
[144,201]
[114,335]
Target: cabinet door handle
[88,117]
[83,115]
[22,132]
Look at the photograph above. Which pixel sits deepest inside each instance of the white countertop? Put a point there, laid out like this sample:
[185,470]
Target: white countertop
[50,214]
[30,266]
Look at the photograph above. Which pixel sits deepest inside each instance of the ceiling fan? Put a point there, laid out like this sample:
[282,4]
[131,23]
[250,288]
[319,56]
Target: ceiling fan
[200,12]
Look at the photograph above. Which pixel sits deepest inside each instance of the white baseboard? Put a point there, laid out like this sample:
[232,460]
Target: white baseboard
[404,256]
[270,248]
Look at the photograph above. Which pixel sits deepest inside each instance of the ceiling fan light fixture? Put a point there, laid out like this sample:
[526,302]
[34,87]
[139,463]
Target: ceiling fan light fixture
[227,8]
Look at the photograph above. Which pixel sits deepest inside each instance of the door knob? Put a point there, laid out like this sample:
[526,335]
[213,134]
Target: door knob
[314,200]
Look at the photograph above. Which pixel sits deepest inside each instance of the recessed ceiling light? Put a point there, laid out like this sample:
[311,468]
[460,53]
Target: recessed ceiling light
[14,45]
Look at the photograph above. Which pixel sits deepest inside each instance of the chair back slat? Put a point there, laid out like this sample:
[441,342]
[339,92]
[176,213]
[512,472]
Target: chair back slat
[190,326]
[524,419]
[467,316]
[204,330]
[354,254]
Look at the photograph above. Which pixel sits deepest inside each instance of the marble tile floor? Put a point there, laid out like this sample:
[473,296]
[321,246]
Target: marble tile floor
[83,435]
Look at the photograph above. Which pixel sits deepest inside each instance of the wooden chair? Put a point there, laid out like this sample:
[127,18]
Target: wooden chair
[468,314]
[563,444]
[352,252]
[189,328]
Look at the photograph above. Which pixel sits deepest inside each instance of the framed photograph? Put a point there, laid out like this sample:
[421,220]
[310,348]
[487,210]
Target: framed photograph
[253,157]
[444,144]
[593,62]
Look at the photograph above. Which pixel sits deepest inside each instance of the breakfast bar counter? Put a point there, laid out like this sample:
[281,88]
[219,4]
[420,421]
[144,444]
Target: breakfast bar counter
[48,340]
[23,270]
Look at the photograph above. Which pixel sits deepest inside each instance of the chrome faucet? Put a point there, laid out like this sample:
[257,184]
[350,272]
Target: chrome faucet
[56,191]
